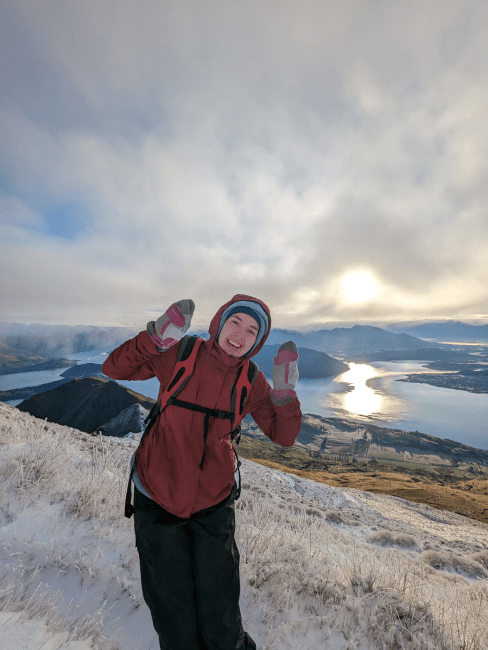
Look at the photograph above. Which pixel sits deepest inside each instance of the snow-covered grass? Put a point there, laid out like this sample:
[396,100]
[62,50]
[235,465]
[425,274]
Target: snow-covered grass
[321,567]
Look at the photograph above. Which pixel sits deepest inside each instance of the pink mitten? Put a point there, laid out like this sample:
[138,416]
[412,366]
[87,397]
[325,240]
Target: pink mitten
[172,325]
[285,374]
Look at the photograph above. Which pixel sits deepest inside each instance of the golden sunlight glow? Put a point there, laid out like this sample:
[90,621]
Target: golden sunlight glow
[359,286]
[361,400]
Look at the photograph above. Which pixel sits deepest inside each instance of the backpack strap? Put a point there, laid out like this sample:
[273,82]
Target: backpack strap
[185,362]
[240,393]
[183,370]
[129,508]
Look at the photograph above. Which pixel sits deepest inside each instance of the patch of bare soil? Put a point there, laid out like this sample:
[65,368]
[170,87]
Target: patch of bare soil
[469,499]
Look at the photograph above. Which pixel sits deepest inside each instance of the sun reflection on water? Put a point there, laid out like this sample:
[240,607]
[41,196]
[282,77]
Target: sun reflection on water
[362,400]
[358,398]
[375,393]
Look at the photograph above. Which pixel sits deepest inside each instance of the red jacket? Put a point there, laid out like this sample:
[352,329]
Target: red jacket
[168,461]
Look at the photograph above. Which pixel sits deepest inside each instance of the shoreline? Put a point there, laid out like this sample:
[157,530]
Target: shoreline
[469,384]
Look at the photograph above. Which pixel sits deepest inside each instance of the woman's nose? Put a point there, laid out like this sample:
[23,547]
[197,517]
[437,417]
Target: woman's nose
[239,334]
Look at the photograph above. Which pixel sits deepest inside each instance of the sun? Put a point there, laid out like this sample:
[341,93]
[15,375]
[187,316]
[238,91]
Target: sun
[359,286]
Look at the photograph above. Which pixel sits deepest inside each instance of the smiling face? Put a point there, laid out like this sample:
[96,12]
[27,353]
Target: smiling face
[238,334]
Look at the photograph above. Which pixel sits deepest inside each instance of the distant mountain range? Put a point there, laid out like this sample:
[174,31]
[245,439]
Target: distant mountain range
[58,340]
[11,359]
[350,341]
[452,331]
[419,354]
[14,363]
[23,347]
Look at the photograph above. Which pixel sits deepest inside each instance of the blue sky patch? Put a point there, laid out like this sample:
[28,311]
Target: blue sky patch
[66,220]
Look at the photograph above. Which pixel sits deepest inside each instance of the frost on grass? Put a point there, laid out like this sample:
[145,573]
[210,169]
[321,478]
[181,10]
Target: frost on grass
[387,538]
[63,620]
[304,558]
[315,569]
[337,584]
[451,562]
[41,465]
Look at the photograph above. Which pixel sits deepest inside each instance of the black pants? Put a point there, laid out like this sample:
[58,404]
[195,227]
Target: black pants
[190,576]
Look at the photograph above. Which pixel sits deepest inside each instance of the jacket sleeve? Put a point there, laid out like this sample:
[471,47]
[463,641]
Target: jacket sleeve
[138,358]
[280,423]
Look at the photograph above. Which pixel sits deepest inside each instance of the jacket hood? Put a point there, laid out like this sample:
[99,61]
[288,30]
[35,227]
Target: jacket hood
[215,322]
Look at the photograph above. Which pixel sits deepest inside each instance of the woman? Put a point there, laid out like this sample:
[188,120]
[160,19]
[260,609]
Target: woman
[183,470]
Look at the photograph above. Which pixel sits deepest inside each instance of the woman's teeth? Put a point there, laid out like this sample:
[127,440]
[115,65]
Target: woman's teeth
[234,345]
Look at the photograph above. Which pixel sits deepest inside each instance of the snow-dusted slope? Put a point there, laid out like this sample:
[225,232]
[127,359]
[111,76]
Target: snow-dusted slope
[321,567]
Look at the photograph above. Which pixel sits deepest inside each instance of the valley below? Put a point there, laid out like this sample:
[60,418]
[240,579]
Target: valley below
[440,473]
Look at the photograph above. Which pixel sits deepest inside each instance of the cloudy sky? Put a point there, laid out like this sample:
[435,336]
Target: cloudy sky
[328,157]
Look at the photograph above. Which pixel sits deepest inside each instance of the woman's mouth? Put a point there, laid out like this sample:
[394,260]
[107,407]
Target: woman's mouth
[233,345]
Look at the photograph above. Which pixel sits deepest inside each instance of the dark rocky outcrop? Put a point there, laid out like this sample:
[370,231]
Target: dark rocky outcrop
[130,420]
[85,403]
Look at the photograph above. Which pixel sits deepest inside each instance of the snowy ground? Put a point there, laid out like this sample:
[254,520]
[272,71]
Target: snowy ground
[321,567]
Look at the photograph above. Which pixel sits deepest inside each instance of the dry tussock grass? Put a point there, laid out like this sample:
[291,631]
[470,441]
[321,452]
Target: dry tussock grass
[472,502]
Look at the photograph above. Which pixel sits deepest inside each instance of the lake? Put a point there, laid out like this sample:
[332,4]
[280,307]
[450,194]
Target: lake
[365,393]
[371,393]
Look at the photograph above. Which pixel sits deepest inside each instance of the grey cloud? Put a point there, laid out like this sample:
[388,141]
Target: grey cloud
[263,148]
[357,233]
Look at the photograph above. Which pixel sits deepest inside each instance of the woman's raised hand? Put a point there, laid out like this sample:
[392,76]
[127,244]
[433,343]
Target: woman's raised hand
[285,374]
[172,325]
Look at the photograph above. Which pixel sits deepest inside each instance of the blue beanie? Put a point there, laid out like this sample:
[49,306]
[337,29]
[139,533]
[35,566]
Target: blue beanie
[253,309]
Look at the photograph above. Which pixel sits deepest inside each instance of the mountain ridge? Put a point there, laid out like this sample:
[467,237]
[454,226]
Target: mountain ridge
[444,330]
[347,341]
[83,403]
